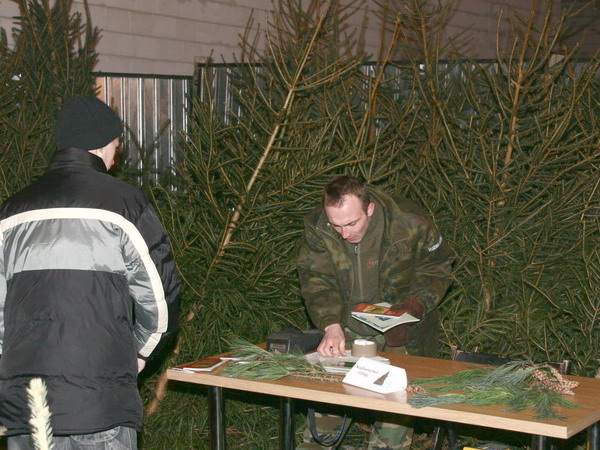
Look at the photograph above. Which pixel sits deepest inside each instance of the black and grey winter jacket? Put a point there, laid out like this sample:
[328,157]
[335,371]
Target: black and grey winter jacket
[87,284]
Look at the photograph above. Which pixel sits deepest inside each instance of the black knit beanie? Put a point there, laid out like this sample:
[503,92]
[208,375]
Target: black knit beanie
[87,123]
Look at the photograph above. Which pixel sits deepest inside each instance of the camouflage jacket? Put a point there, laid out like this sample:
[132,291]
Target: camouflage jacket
[414,261]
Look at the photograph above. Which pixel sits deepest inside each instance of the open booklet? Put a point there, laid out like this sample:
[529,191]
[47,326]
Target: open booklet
[380,317]
[340,364]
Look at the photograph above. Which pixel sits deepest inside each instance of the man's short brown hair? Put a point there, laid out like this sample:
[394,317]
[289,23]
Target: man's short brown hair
[343,185]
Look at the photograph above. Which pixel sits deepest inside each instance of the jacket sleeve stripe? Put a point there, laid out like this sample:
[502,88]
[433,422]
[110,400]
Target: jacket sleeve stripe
[161,321]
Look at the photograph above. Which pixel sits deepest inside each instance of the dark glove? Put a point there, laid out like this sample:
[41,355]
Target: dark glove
[412,306]
[398,336]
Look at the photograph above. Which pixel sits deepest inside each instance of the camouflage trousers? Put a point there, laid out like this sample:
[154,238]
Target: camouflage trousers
[395,433]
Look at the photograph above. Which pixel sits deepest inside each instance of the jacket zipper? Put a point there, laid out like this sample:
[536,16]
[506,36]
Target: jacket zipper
[360,283]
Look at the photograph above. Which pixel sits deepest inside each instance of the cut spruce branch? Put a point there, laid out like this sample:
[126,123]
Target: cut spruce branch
[518,385]
[259,364]
[233,221]
[276,132]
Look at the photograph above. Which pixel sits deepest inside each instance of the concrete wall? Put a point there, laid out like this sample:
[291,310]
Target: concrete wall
[167,36]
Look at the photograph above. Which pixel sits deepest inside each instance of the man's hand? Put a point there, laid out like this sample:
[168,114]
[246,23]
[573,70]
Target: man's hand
[412,306]
[333,343]
[141,364]
[398,336]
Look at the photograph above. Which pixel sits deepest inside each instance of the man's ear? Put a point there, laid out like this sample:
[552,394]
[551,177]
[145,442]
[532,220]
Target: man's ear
[370,209]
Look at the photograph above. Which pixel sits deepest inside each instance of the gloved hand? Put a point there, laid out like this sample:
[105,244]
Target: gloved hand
[412,306]
[398,336]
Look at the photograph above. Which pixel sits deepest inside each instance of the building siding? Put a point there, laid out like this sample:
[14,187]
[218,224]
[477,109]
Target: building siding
[167,37]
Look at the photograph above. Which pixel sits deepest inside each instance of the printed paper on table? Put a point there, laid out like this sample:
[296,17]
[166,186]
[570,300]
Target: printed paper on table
[376,376]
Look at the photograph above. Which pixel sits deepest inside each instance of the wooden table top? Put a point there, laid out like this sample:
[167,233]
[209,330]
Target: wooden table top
[587,395]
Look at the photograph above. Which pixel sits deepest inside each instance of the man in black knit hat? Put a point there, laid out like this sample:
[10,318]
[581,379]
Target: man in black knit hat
[88,290]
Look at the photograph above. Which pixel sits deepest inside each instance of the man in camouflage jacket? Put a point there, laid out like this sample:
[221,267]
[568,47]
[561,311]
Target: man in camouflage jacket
[409,265]
[363,246]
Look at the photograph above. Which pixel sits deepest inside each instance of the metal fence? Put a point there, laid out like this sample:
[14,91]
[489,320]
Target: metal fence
[220,79]
[155,108]
[155,111]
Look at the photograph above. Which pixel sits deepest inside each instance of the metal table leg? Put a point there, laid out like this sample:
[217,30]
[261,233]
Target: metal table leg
[593,436]
[286,424]
[540,442]
[216,408]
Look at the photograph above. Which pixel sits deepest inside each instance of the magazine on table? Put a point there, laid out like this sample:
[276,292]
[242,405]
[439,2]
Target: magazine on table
[201,365]
[380,316]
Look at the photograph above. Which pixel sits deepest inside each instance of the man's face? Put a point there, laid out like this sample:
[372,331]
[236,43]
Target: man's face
[110,153]
[350,219]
